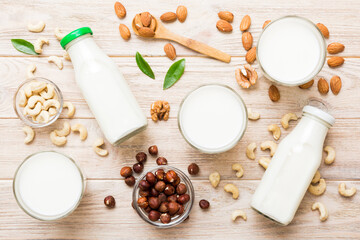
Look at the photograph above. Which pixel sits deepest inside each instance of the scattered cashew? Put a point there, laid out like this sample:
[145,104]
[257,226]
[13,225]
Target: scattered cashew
[49,92]
[238,213]
[43,117]
[30,70]
[30,134]
[330,158]
[214,179]
[58,34]
[66,56]
[286,118]
[264,162]
[346,192]
[253,115]
[51,103]
[71,109]
[33,112]
[97,148]
[39,44]
[322,210]
[250,151]
[52,111]
[64,131]
[318,189]
[316,177]
[35,99]
[231,188]
[237,167]
[275,129]
[81,129]
[57,61]
[22,98]
[38,27]
[269,145]
[57,140]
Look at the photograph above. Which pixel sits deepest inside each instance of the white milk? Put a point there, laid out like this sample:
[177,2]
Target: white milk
[48,185]
[291,50]
[213,118]
[292,168]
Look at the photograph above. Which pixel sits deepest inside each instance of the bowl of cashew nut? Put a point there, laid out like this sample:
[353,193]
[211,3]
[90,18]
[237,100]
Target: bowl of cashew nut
[38,102]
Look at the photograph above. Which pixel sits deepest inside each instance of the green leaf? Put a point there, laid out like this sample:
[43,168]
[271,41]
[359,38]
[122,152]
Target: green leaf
[144,66]
[24,46]
[174,73]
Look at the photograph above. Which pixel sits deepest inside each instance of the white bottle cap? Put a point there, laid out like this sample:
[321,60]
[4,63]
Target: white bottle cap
[320,114]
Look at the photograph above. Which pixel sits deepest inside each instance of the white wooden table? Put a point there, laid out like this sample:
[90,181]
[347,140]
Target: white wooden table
[92,220]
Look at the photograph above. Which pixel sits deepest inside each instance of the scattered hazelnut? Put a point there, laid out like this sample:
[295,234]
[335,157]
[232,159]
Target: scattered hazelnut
[153,150]
[130,181]
[169,190]
[126,172]
[165,218]
[160,174]
[154,202]
[173,208]
[144,193]
[150,177]
[161,161]
[184,198]
[154,215]
[181,189]
[172,198]
[204,204]
[181,209]
[171,176]
[153,192]
[142,202]
[193,169]
[160,186]
[162,197]
[138,167]
[144,185]
[141,157]
[109,201]
[164,207]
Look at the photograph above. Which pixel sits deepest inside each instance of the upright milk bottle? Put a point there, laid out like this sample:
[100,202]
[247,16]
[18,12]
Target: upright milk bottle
[292,168]
[104,88]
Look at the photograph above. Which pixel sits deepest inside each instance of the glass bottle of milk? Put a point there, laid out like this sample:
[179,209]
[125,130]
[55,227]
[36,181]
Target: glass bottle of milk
[104,88]
[292,168]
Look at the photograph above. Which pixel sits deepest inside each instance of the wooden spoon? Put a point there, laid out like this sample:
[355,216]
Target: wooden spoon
[162,33]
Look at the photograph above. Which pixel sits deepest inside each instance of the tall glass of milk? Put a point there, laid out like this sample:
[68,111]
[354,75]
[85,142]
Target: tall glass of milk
[212,118]
[292,168]
[104,88]
[48,185]
[291,51]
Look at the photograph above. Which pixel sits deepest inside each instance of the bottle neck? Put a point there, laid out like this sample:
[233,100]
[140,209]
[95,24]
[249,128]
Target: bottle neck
[83,48]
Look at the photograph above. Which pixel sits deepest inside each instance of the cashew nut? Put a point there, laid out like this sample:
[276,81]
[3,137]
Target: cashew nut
[71,109]
[318,189]
[30,134]
[231,188]
[237,167]
[49,92]
[51,103]
[58,34]
[286,118]
[214,179]
[64,131]
[97,148]
[253,115]
[57,61]
[250,151]
[81,129]
[33,112]
[43,117]
[35,99]
[22,98]
[346,192]
[330,158]
[316,177]
[238,213]
[38,27]
[57,140]
[34,87]
[269,145]
[322,210]
[264,162]
[66,55]
[275,129]
[30,70]
[39,44]
[52,111]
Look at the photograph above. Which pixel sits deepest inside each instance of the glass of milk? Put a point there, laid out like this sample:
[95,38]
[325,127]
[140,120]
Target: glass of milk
[291,51]
[48,185]
[212,118]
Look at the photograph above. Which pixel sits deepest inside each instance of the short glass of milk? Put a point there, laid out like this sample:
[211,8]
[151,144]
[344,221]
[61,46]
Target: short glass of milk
[48,185]
[212,118]
[291,51]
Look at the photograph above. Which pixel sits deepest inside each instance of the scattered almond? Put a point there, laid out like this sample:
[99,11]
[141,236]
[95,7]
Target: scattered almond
[168,17]
[146,32]
[145,19]
[120,10]
[251,55]
[323,86]
[181,13]
[335,61]
[223,26]
[335,84]
[335,47]
[323,29]
[307,85]
[247,40]
[124,31]
[245,23]
[226,15]
[170,51]
[274,93]
[266,23]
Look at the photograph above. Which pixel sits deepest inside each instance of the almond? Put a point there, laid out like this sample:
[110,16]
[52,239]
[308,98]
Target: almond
[335,47]
[120,10]
[137,21]
[247,40]
[323,29]
[223,26]
[170,51]
[335,61]
[245,23]
[335,84]
[168,17]
[181,13]
[323,86]
[146,32]
[124,31]
[266,23]
[251,55]
[145,19]
[307,85]
[274,93]
[153,24]
[226,15]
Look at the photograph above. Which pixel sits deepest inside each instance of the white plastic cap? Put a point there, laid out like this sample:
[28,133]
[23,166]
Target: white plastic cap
[320,114]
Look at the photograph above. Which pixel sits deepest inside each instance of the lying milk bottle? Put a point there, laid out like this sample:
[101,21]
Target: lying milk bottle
[292,168]
[104,88]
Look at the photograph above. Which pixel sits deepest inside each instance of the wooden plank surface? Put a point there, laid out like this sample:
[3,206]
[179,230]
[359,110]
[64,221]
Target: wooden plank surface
[92,220]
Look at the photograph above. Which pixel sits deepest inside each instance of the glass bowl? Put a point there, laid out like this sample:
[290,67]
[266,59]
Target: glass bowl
[175,220]
[20,110]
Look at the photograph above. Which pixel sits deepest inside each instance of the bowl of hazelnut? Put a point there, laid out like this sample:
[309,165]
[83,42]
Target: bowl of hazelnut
[163,197]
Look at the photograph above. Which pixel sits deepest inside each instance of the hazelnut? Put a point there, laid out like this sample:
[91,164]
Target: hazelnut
[176,182]
[164,207]
[181,189]
[161,161]
[160,186]
[144,185]
[138,167]
[181,209]
[171,176]
[130,181]
[141,157]
[182,199]
[160,174]
[165,218]
[126,172]
[154,202]
[173,208]
[169,190]
[153,192]
[109,201]
[172,198]
[162,197]
[144,193]
[193,169]
[142,202]
[150,177]
[154,215]
[204,204]
[147,209]
[153,150]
